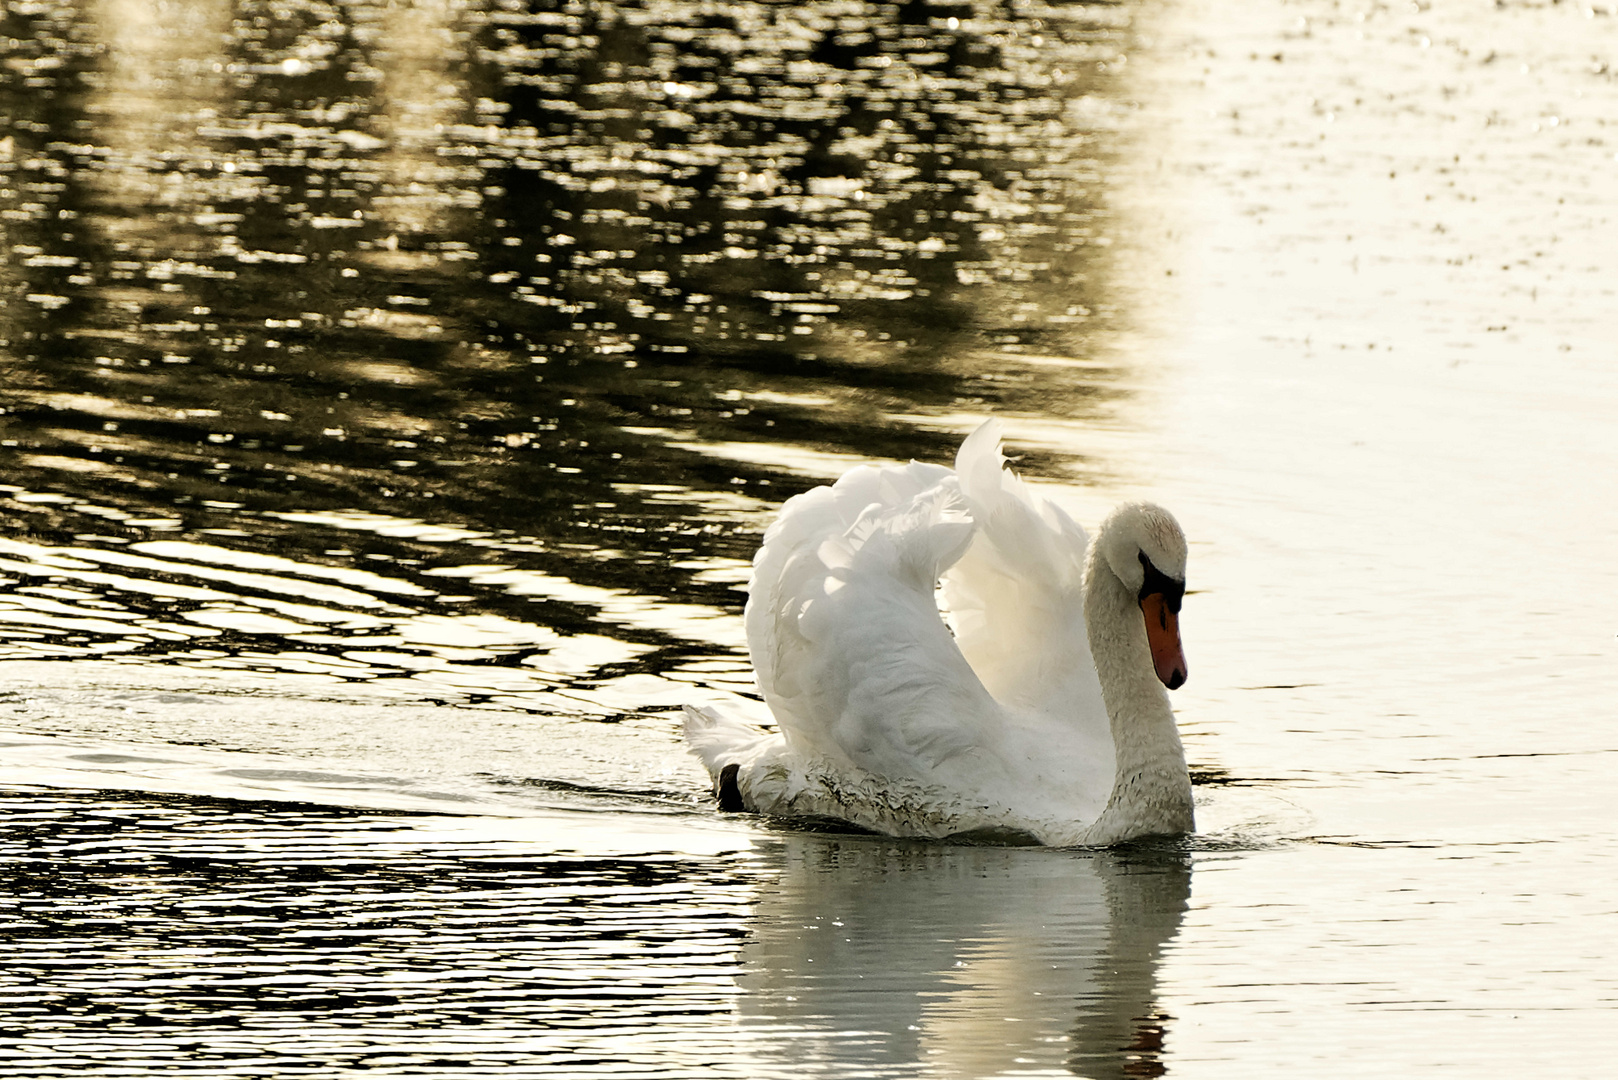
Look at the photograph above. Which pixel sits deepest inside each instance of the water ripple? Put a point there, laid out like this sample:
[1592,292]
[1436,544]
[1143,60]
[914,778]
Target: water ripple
[150,933]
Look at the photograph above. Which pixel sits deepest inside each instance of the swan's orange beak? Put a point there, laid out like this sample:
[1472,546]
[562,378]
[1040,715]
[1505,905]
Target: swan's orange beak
[1163,634]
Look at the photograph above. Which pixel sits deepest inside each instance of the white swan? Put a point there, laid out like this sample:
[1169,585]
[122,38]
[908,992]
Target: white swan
[1038,708]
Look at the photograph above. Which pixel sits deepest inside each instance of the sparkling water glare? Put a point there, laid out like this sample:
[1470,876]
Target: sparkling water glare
[394,394]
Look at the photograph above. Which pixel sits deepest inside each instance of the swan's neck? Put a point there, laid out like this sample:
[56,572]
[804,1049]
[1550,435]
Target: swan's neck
[1151,794]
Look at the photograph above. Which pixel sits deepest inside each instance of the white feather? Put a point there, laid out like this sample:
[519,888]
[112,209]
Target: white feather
[888,719]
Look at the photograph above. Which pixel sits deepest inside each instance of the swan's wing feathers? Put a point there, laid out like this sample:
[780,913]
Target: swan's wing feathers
[806,540]
[1045,543]
[847,642]
[1015,597]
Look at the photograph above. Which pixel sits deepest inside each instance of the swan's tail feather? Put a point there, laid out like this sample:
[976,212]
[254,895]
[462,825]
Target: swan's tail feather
[732,749]
[718,737]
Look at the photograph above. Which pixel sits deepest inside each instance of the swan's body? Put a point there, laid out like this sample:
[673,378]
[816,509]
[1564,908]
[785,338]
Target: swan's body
[1039,708]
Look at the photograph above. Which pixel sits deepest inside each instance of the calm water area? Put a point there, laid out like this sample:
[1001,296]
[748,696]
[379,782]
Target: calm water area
[392,395]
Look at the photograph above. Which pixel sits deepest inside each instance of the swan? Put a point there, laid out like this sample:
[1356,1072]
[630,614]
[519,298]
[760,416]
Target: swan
[944,653]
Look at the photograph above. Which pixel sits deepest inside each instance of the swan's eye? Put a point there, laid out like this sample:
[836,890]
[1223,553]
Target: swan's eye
[1158,583]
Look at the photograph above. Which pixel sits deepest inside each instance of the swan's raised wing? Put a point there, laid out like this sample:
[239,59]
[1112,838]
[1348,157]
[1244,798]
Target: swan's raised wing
[1015,598]
[851,653]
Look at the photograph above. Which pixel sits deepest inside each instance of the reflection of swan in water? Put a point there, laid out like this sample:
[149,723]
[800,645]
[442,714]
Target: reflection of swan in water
[871,956]
[1038,709]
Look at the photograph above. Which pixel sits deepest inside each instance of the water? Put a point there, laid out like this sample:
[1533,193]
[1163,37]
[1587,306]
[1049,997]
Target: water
[394,395]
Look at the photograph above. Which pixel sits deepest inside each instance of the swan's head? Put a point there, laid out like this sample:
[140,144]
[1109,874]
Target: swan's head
[1144,547]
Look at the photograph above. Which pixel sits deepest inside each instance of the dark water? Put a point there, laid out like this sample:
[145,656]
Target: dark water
[454,354]
[232,938]
[523,274]
[393,394]
[229,938]
[442,308]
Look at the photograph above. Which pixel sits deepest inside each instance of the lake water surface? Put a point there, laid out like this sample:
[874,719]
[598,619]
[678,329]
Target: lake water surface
[394,394]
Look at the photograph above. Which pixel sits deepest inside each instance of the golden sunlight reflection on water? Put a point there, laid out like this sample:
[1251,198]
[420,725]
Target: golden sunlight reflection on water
[1385,416]
[394,396]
